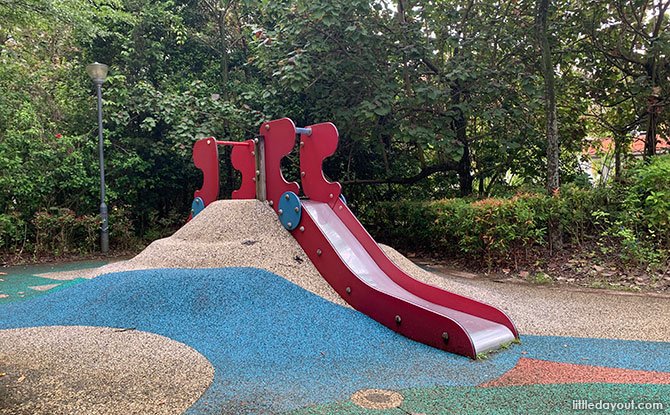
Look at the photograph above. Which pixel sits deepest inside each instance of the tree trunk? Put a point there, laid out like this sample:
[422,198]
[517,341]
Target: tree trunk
[382,149]
[555,234]
[618,142]
[464,173]
[465,163]
[650,139]
[224,52]
[459,126]
[652,72]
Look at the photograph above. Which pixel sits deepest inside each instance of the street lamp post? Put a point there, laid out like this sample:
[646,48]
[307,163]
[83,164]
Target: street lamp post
[98,72]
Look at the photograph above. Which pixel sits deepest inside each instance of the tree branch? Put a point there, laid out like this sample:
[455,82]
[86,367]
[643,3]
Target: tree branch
[659,22]
[424,173]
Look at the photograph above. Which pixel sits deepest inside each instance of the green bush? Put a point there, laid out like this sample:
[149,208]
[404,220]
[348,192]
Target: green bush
[492,230]
[60,231]
[506,230]
[13,232]
[648,199]
[164,225]
[636,229]
[122,235]
[396,221]
[575,209]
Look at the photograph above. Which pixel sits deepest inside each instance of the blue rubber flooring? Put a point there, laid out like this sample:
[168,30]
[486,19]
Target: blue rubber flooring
[276,347]
[16,280]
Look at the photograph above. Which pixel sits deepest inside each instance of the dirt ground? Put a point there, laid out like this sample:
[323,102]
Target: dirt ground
[571,269]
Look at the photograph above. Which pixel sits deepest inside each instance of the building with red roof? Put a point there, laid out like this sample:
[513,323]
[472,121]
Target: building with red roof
[599,163]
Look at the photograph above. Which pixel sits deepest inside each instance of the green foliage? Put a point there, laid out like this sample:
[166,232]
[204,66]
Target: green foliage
[165,225]
[639,227]
[45,157]
[13,231]
[503,231]
[152,133]
[60,231]
[636,51]
[575,210]
[431,99]
[122,234]
[649,198]
[493,230]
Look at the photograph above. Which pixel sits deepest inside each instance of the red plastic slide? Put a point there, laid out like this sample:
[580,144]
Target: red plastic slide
[354,265]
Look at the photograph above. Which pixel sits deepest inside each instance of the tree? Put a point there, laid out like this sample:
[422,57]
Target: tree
[551,121]
[431,91]
[549,97]
[46,158]
[632,38]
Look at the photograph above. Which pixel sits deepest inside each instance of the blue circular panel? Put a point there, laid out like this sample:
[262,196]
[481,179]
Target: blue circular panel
[290,210]
[197,206]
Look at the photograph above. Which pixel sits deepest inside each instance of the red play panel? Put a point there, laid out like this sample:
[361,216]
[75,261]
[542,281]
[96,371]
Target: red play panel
[279,141]
[206,158]
[242,158]
[314,148]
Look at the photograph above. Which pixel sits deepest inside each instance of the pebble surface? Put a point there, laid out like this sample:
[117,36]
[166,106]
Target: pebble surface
[232,233]
[97,370]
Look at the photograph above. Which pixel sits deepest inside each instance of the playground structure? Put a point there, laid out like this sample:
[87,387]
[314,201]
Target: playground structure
[339,246]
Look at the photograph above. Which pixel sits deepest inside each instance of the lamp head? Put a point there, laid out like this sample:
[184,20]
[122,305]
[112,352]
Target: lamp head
[97,72]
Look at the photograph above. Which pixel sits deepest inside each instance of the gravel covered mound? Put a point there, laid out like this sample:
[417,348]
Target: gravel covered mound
[232,233]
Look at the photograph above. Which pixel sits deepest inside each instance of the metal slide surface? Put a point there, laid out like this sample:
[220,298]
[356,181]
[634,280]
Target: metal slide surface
[484,334]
